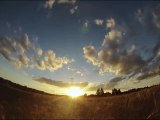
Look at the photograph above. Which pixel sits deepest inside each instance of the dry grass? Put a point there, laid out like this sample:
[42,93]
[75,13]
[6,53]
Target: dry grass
[15,104]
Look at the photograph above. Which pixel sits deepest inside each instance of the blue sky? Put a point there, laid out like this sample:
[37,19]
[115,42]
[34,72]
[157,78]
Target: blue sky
[99,43]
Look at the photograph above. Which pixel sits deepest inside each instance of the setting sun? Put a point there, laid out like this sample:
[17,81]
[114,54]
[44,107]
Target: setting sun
[75,92]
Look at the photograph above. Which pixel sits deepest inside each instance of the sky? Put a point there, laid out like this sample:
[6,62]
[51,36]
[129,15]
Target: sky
[55,44]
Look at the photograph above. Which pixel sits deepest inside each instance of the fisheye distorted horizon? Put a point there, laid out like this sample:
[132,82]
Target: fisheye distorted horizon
[57,44]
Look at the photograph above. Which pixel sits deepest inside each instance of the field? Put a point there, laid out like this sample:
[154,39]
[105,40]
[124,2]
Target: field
[18,103]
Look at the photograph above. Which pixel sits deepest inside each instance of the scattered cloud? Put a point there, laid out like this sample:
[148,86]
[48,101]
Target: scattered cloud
[66,1]
[24,59]
[86,24]
[74,9]
[39,52]
[76,71]
[51,62]
[60,83]
[149,18]
[80,73]
[98,21]
[16,51]
[87,86]
[106,86]
[90,54]
[71,69]
[95,86]
[113,82]
[113,57]
[49,4]
[117,56]
[110,23]
[148,74]
[6,53]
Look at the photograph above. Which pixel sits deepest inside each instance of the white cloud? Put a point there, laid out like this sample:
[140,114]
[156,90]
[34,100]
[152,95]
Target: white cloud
[90,54]
[74,9]
[156,19]
[6,53]
[76,71]
[79,72]
[98,22]
[49,4]
[17,51]
[39,52]
[24,59]
[110,23]
[112,56]
[66,1]
[41,64]
[18,63]
[51,62]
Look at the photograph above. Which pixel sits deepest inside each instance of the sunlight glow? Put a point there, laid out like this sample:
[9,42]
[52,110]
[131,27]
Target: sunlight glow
[75,92]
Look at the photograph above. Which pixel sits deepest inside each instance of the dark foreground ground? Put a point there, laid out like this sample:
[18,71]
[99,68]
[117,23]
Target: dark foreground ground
[16,103]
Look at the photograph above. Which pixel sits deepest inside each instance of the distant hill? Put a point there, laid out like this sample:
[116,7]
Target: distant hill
[6,85]
[20,102]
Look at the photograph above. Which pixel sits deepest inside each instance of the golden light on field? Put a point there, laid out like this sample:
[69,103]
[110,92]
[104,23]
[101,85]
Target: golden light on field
[75,92]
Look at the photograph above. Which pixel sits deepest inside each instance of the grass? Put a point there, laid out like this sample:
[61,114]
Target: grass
[20,104]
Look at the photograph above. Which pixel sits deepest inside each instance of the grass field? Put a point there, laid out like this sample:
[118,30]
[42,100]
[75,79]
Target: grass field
[23,104]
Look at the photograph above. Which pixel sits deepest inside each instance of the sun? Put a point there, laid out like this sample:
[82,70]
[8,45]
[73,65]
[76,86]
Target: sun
[75,92]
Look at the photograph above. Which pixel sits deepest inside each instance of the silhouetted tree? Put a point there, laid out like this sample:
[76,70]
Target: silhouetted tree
[116,91]
[85,95]
[100,92]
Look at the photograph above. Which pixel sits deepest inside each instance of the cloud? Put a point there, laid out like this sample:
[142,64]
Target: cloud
[16,50]
[24,59]
[113,82]
[110,23]
[79,72]
[98,21]
[156,19]
[76,71]
[39,52]
[41,64]
[106,86]
[86,25]
[74,9]
[18,63]
[60,83]
[66,1]
[51,62]
[90,54]
[113,56]
[71,69]
[5,53]
[49,4]
[148,74]
[149,18]
[94,86]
